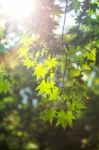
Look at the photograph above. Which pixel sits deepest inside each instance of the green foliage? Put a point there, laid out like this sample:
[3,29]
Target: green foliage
[48,115]
[51,63]
[28,62]
[75,5]
[59,78]
[49,89]
[75,72]
[40,71]
[2,31]
[65,118]
[45,70]
[31,146]
[5,84]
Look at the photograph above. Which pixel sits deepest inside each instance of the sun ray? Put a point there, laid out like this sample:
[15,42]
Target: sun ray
[18,9]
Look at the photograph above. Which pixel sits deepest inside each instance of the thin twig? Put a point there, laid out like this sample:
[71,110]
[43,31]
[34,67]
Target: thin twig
[62,38]
[66,7]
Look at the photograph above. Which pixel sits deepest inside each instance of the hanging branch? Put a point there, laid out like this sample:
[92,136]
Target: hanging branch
[62,39]
[64,23]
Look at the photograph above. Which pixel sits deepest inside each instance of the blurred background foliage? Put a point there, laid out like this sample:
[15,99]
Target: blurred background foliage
[20,104]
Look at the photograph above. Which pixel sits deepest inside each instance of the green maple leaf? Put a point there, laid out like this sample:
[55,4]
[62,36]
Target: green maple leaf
[65,118]
[40,71]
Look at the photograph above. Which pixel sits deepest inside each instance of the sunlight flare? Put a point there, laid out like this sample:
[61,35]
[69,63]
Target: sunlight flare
[18,9]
